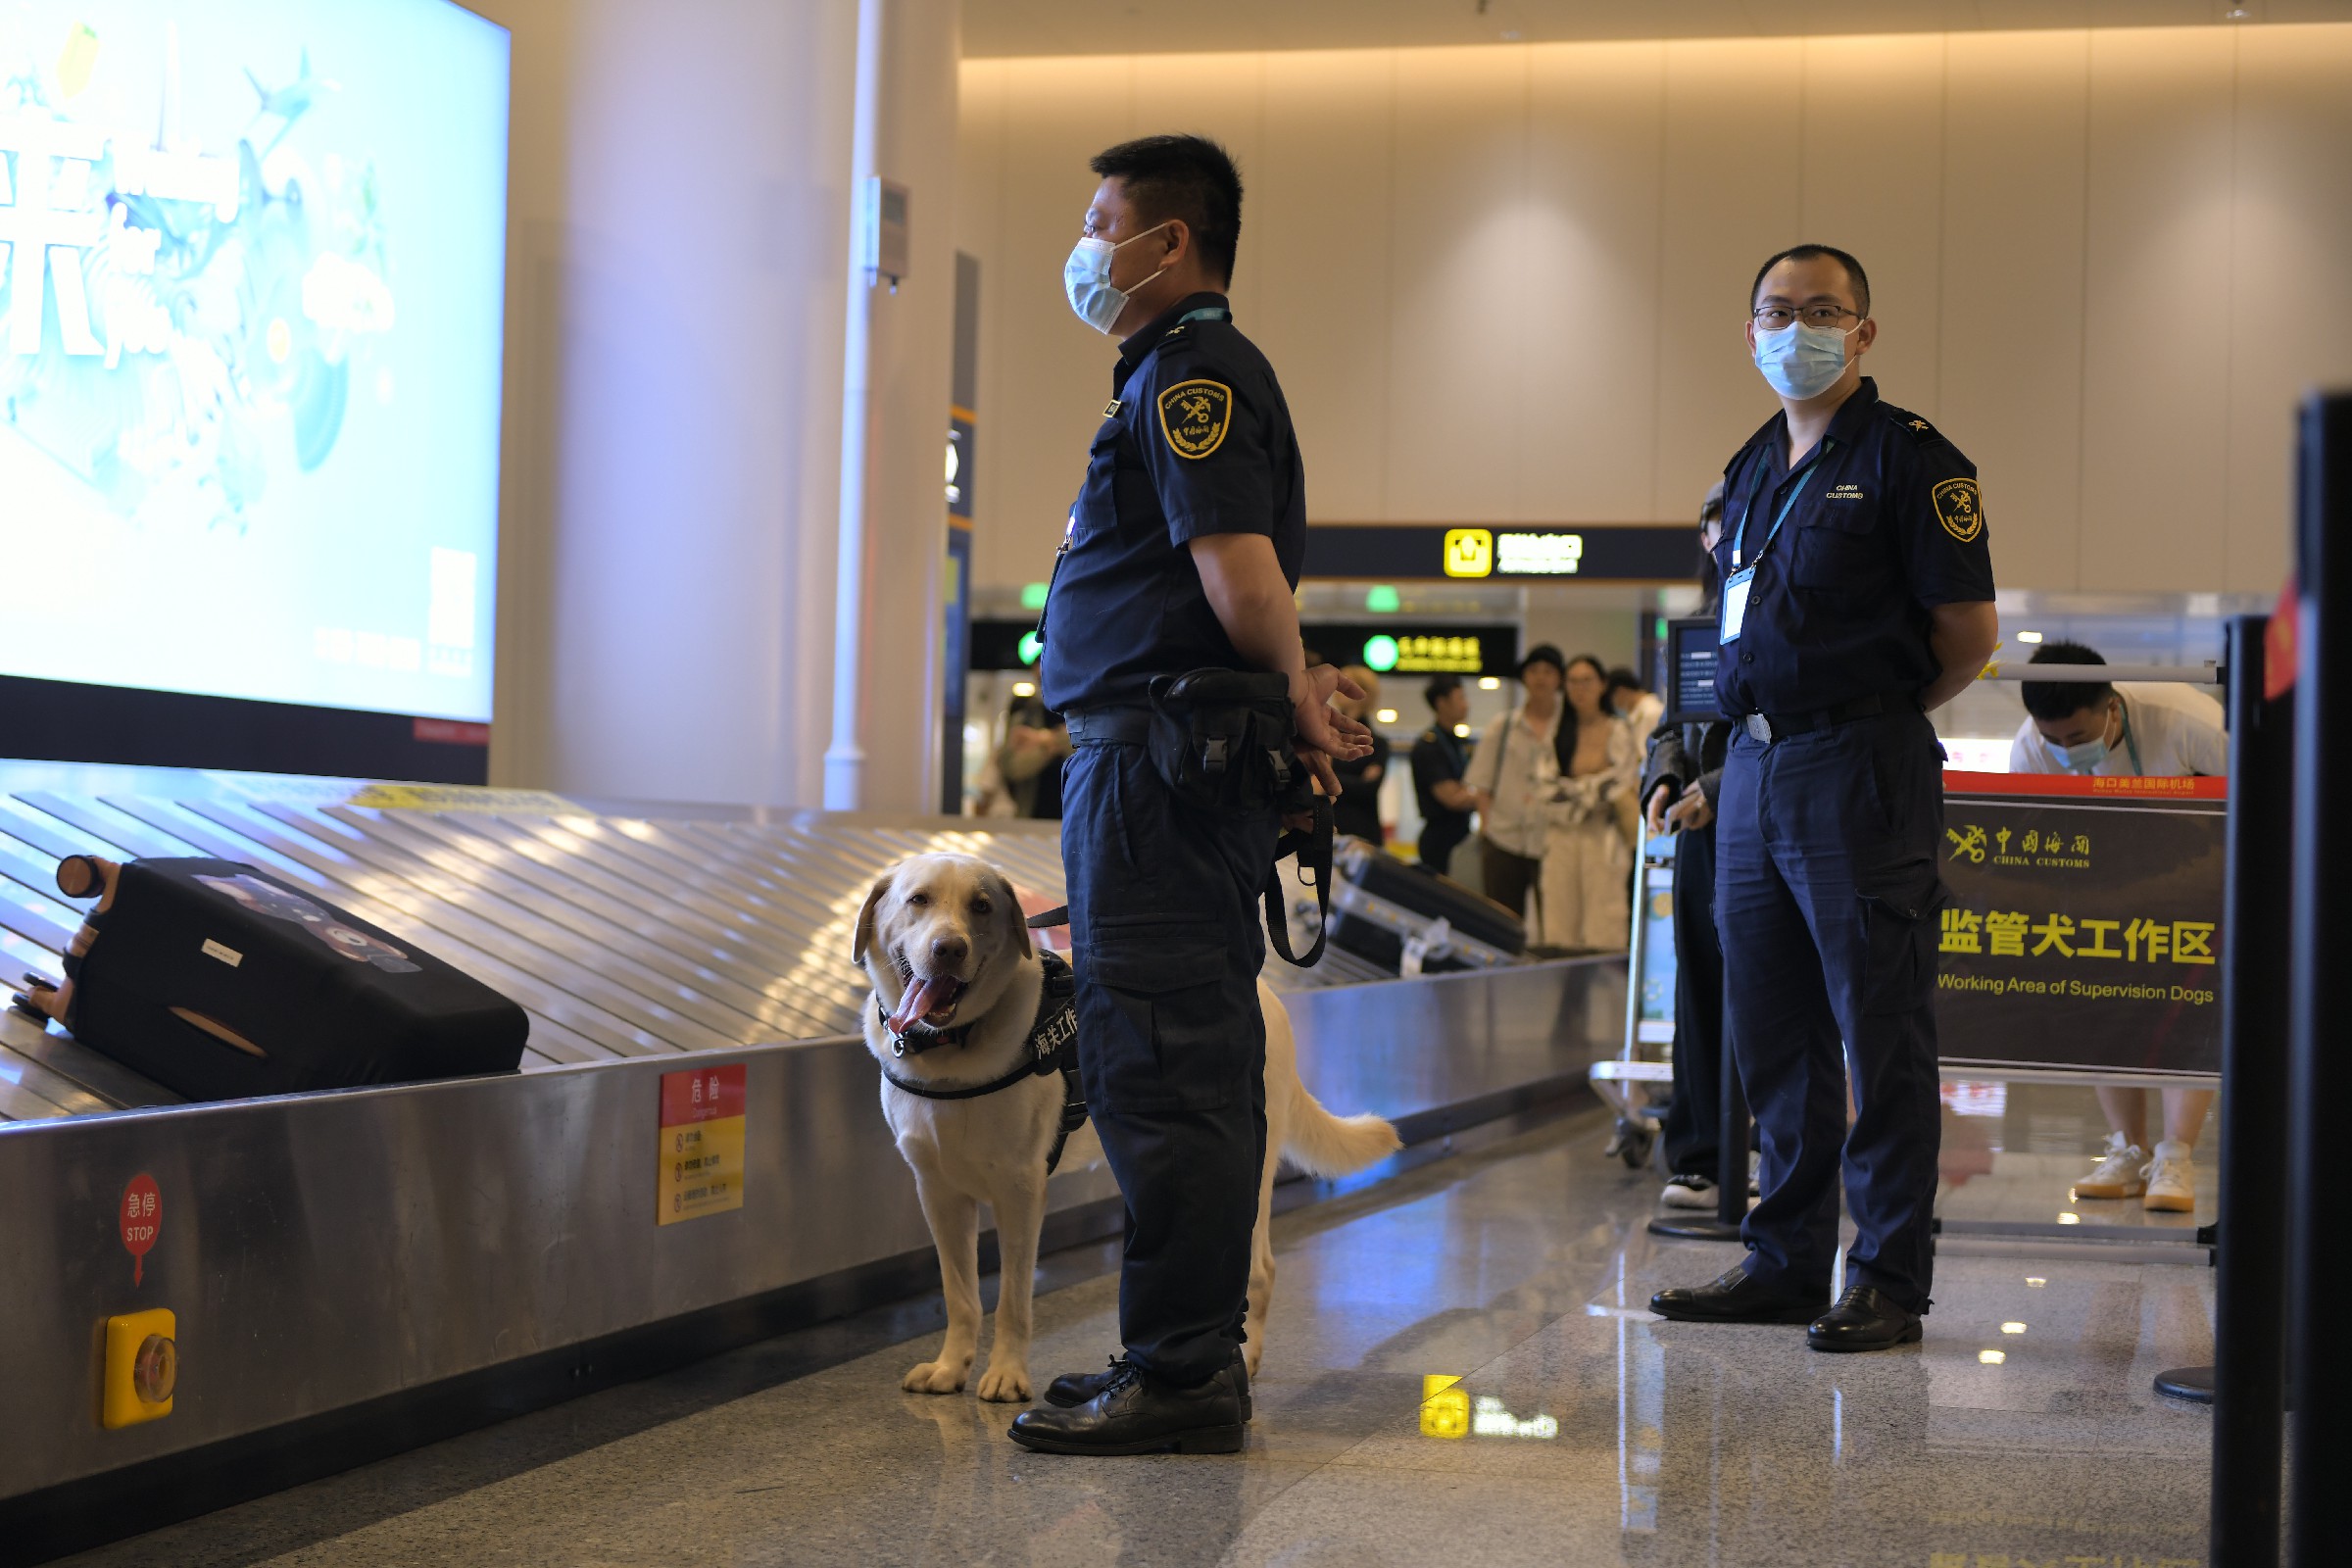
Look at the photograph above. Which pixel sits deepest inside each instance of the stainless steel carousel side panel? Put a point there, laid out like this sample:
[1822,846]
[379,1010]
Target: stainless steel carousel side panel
[324,1250]
[1400,1047]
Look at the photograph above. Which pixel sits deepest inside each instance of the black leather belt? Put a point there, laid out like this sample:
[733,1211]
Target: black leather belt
[1770,727]
[1115,725]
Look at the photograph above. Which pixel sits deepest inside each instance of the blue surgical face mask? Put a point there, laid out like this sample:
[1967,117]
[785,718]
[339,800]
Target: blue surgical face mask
[1801,360]
[2083,759]
[1086,279]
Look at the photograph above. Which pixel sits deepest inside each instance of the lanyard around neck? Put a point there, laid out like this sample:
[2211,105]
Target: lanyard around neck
[1797,485]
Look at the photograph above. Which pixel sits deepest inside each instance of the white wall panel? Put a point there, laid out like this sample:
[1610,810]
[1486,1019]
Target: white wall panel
[1583,418]
[2290,315]
[1872,175]
[1457,283]
[1734,136]
[2012,234]
[2155,318]
[1316,222]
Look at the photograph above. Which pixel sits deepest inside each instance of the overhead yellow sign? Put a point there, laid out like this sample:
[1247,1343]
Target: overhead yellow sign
[1469,553]
[462,797]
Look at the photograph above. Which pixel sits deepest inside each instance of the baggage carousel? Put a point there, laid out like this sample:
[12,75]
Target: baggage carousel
[359,1270]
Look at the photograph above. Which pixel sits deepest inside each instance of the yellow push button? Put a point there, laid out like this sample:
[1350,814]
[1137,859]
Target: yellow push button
[142,1367]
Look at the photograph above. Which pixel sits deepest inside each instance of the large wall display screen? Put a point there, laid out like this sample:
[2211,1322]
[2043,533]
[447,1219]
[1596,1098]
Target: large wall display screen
[252,269]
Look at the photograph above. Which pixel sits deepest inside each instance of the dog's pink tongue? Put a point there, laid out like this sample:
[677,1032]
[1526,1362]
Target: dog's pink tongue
[921,997]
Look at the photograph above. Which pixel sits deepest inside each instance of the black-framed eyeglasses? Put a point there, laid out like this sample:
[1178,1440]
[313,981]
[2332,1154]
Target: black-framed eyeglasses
[1774,317]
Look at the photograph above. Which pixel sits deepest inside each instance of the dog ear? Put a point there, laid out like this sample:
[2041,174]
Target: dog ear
[1020,917]
[863,937]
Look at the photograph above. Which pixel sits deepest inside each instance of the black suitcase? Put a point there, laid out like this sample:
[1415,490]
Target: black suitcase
[330,1000]
[1381,904]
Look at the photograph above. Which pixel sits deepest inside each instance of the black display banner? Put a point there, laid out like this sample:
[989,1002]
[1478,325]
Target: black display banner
[2080,934]
[1562,552]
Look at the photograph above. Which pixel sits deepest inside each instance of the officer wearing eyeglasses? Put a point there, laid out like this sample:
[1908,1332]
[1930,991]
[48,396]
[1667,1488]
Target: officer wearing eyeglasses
[1857,598]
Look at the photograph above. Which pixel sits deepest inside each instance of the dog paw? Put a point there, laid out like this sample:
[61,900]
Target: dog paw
[933,1377]
[1006,1385]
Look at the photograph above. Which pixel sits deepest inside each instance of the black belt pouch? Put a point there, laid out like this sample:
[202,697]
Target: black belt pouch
[330,1000]
[1221,739]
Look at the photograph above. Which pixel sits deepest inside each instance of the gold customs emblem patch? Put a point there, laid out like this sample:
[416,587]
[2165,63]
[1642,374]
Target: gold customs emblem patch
[1959,508]
[1194,415]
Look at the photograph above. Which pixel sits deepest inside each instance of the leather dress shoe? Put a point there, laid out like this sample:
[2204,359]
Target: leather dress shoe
[1135,1412]
[1737,1297]
[1076,1388]
[1864,1319]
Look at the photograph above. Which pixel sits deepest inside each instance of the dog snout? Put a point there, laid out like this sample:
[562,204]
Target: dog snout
[950,950]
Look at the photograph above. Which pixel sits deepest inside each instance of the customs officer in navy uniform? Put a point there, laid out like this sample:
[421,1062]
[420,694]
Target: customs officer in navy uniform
[1857,599]
[1182,555]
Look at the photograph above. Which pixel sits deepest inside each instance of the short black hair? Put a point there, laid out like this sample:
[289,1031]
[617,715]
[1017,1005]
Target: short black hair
[1805,252]
[1624,679]
[1440,688]
[1188,177]
[1544,654]
[2053,700]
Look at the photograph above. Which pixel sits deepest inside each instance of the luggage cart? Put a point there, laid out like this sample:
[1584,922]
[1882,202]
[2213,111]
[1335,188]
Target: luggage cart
[1632,1084]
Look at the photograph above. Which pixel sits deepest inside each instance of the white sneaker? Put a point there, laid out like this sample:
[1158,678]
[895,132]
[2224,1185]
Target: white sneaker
[2172,1180]
[2121,1173]
[1690,1190]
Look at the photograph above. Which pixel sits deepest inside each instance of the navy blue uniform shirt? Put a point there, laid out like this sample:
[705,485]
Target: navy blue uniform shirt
[1197,440]
[1886,526]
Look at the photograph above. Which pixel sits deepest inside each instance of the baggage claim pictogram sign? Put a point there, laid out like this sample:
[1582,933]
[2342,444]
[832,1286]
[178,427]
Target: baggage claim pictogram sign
[702,1143]
[2083,926]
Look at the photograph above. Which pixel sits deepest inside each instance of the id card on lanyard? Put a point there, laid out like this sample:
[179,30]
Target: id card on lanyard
[1737,586]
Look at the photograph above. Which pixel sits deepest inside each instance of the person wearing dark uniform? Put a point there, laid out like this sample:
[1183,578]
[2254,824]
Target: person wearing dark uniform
[1679,785]
[1183,554]
[1440,760]
[1857,589]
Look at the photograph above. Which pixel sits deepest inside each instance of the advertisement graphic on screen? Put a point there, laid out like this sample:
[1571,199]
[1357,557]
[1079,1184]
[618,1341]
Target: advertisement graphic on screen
[252,263]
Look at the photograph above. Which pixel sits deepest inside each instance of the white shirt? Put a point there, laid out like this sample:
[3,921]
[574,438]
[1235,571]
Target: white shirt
[2178,731]
[1517,822]
[1648,709]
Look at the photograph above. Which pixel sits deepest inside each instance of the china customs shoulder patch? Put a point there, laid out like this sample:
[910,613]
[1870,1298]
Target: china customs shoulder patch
[1194,415]
[1959,508]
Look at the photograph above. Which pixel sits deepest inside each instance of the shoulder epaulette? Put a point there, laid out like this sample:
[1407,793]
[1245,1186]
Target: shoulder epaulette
[1911,424]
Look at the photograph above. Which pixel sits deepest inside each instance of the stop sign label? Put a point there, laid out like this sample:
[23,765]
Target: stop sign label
[141,1218]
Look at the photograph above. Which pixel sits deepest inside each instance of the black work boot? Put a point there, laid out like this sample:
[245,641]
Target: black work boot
[1135,1412]
[1076,1388]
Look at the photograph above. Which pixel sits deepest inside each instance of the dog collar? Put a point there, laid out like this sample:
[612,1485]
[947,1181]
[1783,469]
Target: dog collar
[917,1039]
[1053,1046]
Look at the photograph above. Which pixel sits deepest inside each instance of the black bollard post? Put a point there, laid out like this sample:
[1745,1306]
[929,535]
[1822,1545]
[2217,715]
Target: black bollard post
[2245,1383]
[1730,1163]
[2320,1351]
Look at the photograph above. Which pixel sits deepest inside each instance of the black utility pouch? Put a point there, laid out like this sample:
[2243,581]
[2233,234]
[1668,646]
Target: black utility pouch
[1221,739]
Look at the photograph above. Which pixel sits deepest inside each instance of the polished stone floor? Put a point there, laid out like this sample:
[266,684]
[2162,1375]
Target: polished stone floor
[1460,1371]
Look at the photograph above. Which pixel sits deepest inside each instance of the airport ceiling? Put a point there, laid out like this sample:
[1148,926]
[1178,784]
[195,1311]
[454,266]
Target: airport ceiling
[996,28]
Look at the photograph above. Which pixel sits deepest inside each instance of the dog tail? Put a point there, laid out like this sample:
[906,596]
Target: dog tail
[1321,1144]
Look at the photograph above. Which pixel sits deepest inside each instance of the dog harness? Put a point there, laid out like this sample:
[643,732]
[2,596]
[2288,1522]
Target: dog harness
[1053,1046]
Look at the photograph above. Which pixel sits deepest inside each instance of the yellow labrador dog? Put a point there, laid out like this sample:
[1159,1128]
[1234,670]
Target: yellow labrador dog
[942,938]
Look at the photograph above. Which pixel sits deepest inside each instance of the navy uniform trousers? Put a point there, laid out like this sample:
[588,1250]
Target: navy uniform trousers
[1825,896]
[1171,1043]
[1694,1123]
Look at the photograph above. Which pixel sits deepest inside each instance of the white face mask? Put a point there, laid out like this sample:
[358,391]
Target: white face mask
[1086,279]
[1803,361]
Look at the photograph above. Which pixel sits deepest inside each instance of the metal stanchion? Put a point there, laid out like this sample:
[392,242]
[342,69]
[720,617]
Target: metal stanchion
[2245,1382]
[2320,1348]
[1731,1163]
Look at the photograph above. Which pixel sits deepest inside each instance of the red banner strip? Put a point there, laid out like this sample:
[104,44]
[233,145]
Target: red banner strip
[2079,785]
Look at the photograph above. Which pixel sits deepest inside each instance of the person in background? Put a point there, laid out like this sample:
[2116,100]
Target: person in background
[1635,704]
[1357,810]
[1545,778]
[1440,760]
[2146,729]
[1679,785]
[1030,761]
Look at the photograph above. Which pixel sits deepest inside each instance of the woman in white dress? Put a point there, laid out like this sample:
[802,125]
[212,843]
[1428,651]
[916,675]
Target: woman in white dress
[1597,762]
